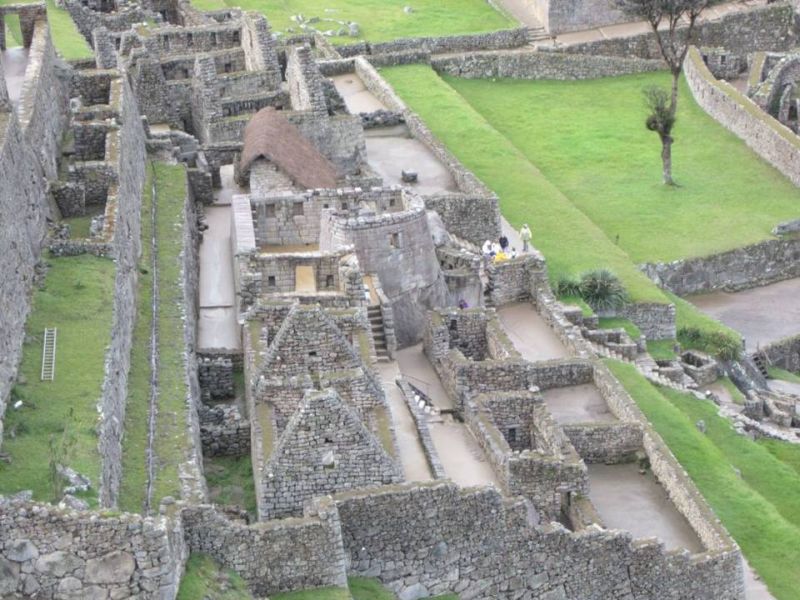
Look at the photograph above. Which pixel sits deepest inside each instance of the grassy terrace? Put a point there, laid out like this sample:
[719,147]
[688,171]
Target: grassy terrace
[596,150]
[751,486]
[204,578]
[77,299]
[379,20]
[66,38]
[230,481]
[170,434]
[571,241]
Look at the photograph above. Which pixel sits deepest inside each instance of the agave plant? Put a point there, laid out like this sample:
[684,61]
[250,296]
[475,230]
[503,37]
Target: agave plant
[602,290]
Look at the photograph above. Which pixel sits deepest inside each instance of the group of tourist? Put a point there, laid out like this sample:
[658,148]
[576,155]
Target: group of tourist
[499,251]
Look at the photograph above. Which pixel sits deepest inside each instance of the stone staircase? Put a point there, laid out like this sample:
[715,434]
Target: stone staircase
[378,334]
[536,35]
[761,362]
[645,364]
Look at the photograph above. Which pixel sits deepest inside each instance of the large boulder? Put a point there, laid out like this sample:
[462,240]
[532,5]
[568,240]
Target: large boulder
[114,567]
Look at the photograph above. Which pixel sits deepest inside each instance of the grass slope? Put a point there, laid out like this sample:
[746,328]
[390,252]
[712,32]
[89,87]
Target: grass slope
[569,240]
[752,507]
[205,579]
[379,20]
[76,298]
[588,138]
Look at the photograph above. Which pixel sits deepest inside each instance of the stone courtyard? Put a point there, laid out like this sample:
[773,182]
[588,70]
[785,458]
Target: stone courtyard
[248,313]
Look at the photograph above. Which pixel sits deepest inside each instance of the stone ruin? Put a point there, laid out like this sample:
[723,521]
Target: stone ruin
[338,268]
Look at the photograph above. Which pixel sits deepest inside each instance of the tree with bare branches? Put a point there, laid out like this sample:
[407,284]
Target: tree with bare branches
[673,25]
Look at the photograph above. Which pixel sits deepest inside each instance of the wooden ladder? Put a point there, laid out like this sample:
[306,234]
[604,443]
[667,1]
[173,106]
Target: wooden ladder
[49,354]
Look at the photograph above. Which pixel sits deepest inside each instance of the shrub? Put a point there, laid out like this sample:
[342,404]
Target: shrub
[602,290]
[568,286]
[717,343]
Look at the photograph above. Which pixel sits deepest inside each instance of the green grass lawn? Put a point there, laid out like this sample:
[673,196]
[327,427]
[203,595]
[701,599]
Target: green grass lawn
[77,299]
[661,349]
[588,138]
[619,323]
[787,453]
[379,20]
[170,436]
[66,37]
[757,505]
[778,373]
[204,578]
[230,481]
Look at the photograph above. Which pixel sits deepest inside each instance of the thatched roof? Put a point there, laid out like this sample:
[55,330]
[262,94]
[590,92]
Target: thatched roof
[270,135]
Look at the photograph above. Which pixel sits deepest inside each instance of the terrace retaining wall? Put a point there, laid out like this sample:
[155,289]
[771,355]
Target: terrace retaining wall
[530,64]
[739,269]
[767,137]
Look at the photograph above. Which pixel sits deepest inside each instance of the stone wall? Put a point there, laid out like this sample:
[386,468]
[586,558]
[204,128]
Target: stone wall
[512,280]
[43,101]
[277,556]
[528,64]
[509,38]
[475,218]
[764,27]
[766,136]
[23,212]
[435,538]
[527,450]
[27,157]
[190,471]
[130,155]
[223,430]
[742,268]
[607,443]
[784,354]
[654,320]
[55,553]
[561,16]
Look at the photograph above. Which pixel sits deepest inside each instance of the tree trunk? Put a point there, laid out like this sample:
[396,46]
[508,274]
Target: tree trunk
[673,105]
[666,159]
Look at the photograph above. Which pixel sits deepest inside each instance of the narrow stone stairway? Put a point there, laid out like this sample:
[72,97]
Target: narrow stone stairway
[378,334]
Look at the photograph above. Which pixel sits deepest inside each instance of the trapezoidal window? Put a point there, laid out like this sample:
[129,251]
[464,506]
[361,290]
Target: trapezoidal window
[271,281]
[394,240]
[297,209]
[328,281]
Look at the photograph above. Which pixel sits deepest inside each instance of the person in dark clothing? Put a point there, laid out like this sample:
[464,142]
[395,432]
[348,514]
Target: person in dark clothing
[503,243]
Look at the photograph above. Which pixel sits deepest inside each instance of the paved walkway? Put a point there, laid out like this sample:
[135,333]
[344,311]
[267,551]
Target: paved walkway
[412,456]
[463,459]
[762,315]
[14,61]
[531,336]
[355,94]
[217,327]
[637,503]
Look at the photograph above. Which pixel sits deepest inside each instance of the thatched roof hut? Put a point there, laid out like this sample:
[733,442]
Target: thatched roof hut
[270,135]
